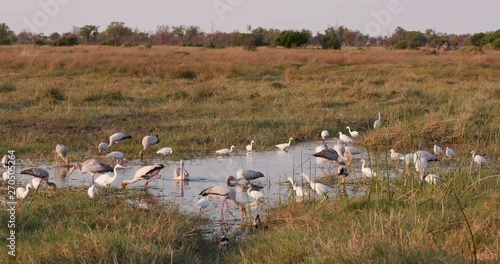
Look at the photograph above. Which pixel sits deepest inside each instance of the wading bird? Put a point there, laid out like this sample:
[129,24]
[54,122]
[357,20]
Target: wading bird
[478,159]
[344,138]
[21,192]
[432,179]
[103,147]
[40,173]
[328,154]
[202,203]
[224,193]
[93,192]
[324,135]
[106,179]
[256,194]
[450,153]
[147,142]
[117,138]
[420,167]
[225,151]
[91,166]
[438,150]
[367,171]
[164,151]
[320,188]
[248,175]
[285,146]
[6,161]
[5,176]
[62,152]
[396,155]
[353,133]
[250,146]
[147,173]
[180,173]
[298,190]
[378,123]
[116,155]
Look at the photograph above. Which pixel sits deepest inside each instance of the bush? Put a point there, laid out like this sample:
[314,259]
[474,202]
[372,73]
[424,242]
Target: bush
[401,45]
[7,87]
[496,44]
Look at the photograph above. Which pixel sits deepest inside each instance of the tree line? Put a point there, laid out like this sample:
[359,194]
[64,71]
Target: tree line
[118,34]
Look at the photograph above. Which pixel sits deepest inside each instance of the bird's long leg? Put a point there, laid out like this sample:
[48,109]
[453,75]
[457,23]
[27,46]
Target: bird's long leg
[32,197]
[229,210]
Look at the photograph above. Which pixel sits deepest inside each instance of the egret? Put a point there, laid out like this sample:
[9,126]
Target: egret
[225,151]
[147,173]
[21,192]
[91,166]
[367,171]
[438,150]
[378,123]
[320,188]
[433,179]
[478,159]
[117,138]
[93,192]
[396,155]
[180,173]
[62,152]
[202,203]
[116,155]
[164,151]
[353,133]
[103,147]
[324,135]
[450,153]
[285,146]
[147,142]
[250,146]
[256,194]
[345,138]
[298,190]
[224,193]
[106,179]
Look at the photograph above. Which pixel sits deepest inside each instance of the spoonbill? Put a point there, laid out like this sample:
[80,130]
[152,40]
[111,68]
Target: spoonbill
[147,173]
[367,171]
[298,190]
[250,146]
[478,159]
[147,142]
[91,166]
[180,173]
[324,135]
[450,153]
[116,155]
[345,138]
[224,193]
[285,146]
[93,192]
[21,192]
[378,123]
[164,151]
[320,188]
[106,179]
[225,151]
[353,133]
[438,150]
[62,152]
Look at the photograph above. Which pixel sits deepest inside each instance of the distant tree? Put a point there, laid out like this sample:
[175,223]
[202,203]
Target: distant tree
[332,39]
[67,39]
[477,39]
[162,34]
[7,36]
[290,38]
[54,36]
[180,33]
[116,32]
[89,33]
[25,37]
[496,44]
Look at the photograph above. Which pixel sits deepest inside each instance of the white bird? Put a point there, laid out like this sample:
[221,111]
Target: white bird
[93,192]
[147,173]
[438,150]
[324,135]
[224,193]
[225,151]
[5,176]
[106,179]
[450,153]
[35,182]
[91,166]
[367,171]
[202,203]
[62,152]
[180,173]
[425,155]
[117,138]
[396,155]
[433,179]
[256,194]
[116,155]
[340,148]
[21,192]
[164,151]
[478,159]
[6,161]
[285,146]
[345,138]
[103,147]
[319,188]
[420,166]
[298,190]
[408,161]
[250,146]
[378,123]
[353,133]
[147,142]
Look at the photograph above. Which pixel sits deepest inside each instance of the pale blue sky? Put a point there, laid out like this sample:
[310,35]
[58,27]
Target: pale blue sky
[376,17]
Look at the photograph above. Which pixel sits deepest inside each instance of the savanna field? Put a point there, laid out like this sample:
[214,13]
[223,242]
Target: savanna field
[198,100]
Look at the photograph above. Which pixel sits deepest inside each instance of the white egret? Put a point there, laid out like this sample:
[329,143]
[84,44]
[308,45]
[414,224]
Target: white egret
[319,188]
[378,123]
[367,171]
[298,190]
[202,203]
[353,133]
[21,192]
[249,147]
[225,151]
[165,151]
[345,138]
[106,179]
[478,159]
[285,146]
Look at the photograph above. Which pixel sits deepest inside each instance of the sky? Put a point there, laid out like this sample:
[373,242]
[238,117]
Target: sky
[374,17]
